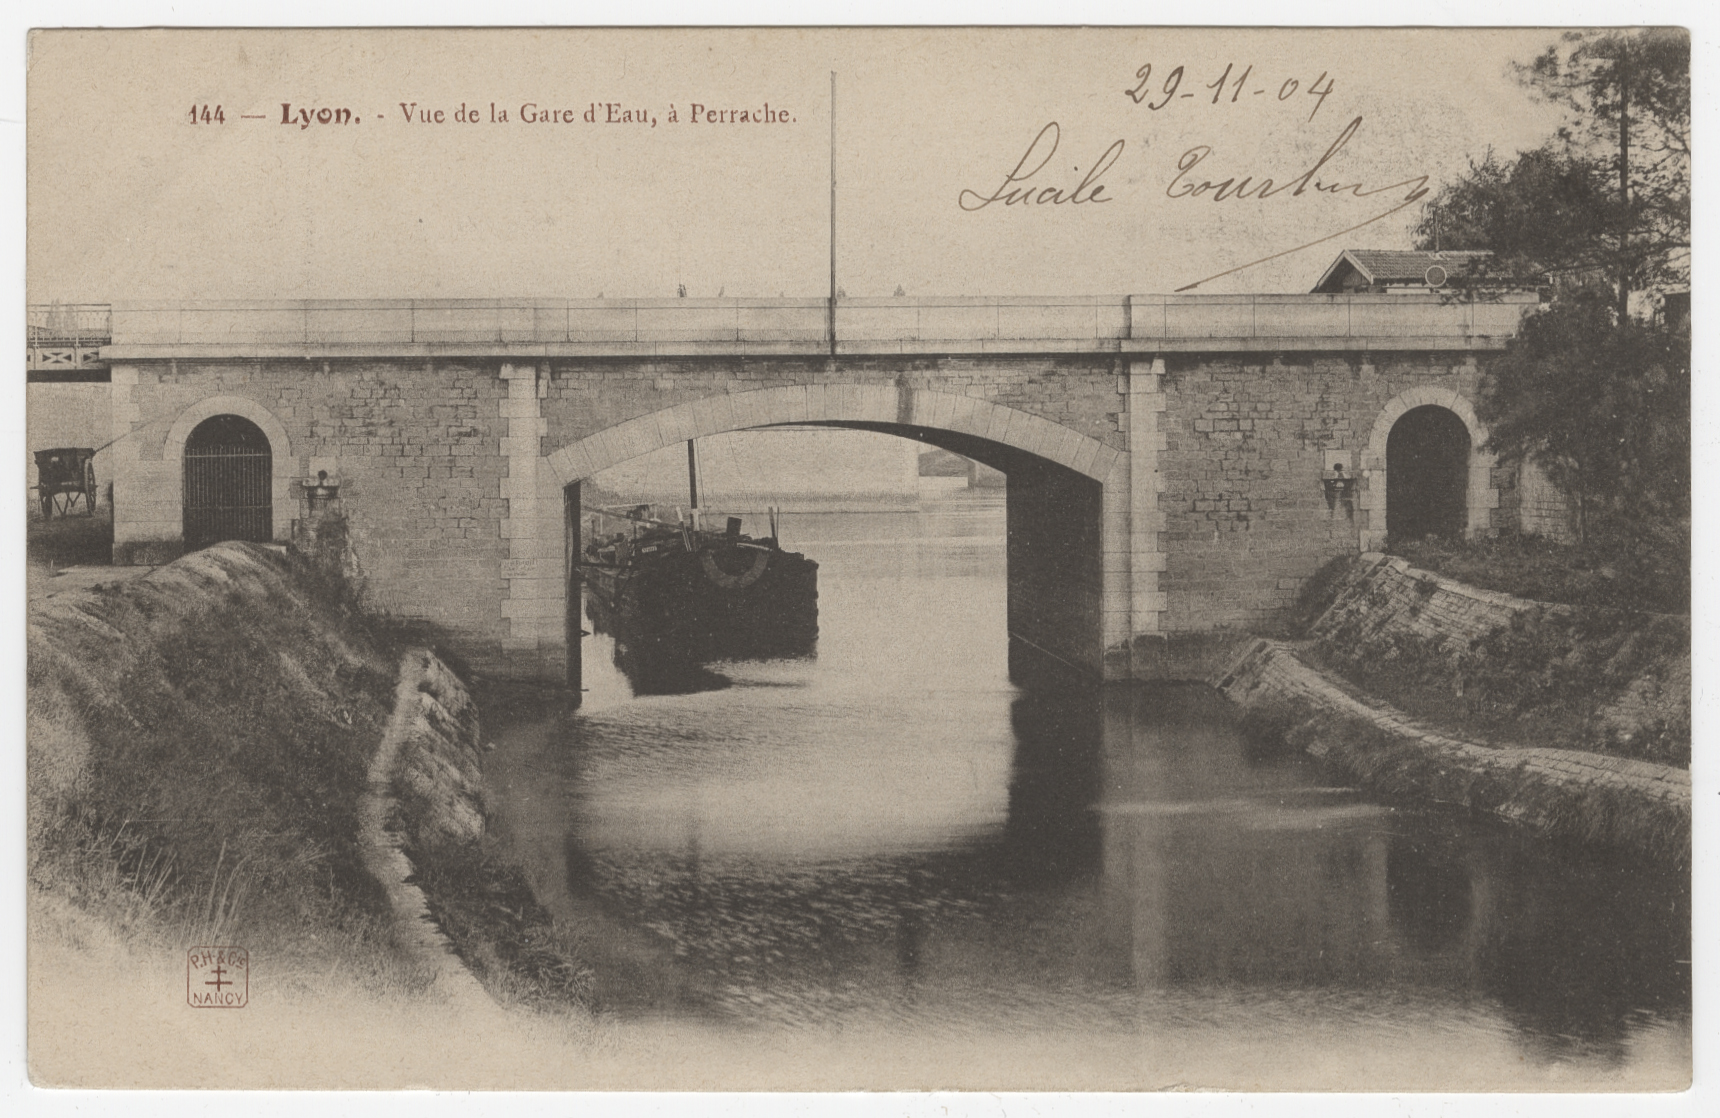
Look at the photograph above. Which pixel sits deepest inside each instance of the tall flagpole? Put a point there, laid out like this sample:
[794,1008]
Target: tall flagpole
[831,325]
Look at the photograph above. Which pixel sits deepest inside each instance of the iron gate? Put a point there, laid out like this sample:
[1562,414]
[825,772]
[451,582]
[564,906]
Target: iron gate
[228,475]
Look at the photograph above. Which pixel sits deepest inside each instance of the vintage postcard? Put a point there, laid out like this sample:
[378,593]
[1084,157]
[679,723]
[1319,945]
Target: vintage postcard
[986,559]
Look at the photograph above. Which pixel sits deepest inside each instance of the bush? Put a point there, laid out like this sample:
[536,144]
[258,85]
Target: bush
[1640,572]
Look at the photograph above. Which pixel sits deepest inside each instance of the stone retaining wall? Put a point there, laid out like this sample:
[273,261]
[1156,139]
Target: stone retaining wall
[1247,439]
[414,447]
[1383,594]
[1383,600]
[424,779]
[1613,801]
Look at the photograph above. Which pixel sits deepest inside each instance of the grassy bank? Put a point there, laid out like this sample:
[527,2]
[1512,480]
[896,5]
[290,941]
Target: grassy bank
[197,744]
[1651,575]
[1594,678]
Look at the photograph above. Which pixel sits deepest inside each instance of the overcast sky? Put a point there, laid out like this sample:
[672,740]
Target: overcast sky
[128,199]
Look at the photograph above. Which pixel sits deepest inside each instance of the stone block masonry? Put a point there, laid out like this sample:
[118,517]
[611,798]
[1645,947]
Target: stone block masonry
[1563,793]
[1384,594]
[533,531]
[415,447]
[1166,479]
[588,397]
[1383,603]
[454,511]
[1246,441]
[425,780]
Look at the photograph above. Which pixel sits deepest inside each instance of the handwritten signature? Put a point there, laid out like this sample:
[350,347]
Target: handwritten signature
[1011,193]
[1266,188]
[1181,186]
[1016,188]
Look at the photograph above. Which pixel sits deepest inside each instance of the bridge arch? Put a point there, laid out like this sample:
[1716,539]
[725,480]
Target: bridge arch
[1481,496]
[876,406]
[1067,498]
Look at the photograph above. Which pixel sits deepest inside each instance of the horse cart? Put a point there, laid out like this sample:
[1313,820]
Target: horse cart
[65,476]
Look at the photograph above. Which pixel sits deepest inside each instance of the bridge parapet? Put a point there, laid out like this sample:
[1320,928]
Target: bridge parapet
[67,337]
[1014,324]
[1304,322]
[1126,325]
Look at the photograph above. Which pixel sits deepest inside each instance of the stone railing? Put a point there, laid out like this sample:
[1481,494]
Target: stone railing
[1129,324]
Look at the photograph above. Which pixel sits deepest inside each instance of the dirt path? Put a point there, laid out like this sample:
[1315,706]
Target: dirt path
[72,553]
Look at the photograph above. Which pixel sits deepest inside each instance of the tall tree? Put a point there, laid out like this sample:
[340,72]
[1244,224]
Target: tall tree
[1609,194]
[1599,400]
[1543,209]
[1604,408]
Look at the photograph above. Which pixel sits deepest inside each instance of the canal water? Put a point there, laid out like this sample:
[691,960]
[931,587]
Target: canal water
[890,840]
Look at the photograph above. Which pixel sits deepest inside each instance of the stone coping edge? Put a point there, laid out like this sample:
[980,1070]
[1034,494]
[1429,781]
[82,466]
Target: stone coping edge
[414,931]
[1270,670]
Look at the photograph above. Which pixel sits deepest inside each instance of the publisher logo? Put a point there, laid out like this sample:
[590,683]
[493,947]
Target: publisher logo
[217,977]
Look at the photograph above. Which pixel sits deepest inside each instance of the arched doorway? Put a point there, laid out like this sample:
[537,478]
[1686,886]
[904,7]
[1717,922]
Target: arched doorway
[228,477]
[1427,475]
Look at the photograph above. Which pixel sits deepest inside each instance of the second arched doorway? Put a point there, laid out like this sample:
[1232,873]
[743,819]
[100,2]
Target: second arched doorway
[228,476]
[1427,475]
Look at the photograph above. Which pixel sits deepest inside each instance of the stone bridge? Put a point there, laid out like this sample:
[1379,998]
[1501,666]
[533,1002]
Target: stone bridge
[1171,460]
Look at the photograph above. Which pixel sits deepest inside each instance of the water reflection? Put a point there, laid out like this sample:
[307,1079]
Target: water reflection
[1221,870]
[1428,892]
[1051,834]
[1582,950]
[669,678]
[892,834]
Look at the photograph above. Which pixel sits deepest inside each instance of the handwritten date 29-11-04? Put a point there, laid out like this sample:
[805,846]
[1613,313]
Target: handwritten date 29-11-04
[1225,87]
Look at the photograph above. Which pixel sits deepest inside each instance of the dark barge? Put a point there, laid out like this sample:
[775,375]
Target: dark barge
[674,596]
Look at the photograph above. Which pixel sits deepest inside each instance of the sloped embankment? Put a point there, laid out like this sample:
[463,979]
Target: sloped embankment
[1490,665]
[198,743]
[1556,718]
[1567,794]
[424,787]
[228,751]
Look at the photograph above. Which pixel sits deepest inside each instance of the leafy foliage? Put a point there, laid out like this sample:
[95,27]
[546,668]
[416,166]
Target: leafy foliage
[1596,398]
[1604,408]
[1539,211]
[1607,199]
[1543,570]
